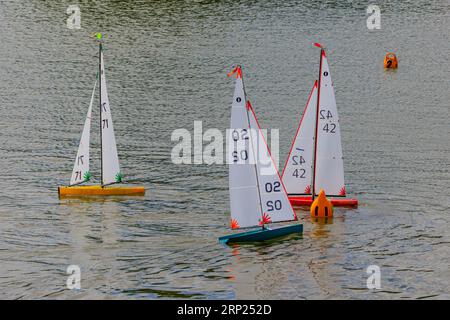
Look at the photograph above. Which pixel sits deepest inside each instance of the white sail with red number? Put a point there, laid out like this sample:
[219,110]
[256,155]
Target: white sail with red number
[297,173]
[257,194]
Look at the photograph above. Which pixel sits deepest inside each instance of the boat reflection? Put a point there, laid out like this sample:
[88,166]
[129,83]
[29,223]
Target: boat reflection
[68,200]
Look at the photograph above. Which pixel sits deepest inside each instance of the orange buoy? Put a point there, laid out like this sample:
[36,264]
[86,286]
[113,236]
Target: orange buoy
[390,61]
[321,207]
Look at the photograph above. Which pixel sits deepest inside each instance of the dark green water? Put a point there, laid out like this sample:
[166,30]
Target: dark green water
[166,64]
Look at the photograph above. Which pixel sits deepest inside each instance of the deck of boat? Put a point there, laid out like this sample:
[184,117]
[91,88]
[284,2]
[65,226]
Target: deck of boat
[336,202]
[101,191]
[261,234]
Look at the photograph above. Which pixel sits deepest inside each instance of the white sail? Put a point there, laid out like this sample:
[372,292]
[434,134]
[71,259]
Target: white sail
[244,195]
[80,171]
[110,161]
[297,173]
[274,200]
[329,163]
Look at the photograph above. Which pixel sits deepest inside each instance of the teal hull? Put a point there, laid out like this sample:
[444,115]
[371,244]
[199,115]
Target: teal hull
[261,234]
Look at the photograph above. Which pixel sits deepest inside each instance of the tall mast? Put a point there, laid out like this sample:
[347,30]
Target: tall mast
[100,95]
[322,51]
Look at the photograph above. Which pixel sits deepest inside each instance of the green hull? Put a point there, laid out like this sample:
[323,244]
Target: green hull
[261,234]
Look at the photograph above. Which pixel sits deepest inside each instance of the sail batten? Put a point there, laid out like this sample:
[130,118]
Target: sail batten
[80,173]
[110,160]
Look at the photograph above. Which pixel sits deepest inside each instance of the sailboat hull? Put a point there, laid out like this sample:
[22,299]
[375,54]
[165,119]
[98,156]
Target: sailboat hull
[261,234]
[101,191]
[336,202]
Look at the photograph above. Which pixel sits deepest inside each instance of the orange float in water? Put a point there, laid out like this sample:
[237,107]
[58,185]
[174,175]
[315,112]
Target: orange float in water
[390,61]
[321,207]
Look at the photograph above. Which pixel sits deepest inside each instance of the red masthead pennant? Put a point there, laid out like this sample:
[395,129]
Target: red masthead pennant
[318,45]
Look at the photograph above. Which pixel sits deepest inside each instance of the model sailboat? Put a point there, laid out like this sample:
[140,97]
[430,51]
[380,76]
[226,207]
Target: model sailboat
[257,193]
[315,160]
[110,170]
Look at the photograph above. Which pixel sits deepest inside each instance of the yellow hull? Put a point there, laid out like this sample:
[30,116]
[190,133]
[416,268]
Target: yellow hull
[101,191]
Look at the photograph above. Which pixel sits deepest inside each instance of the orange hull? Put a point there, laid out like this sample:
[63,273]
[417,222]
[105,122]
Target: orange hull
[336,202]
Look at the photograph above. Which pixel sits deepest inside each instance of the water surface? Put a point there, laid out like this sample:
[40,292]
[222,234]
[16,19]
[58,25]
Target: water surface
[166,64]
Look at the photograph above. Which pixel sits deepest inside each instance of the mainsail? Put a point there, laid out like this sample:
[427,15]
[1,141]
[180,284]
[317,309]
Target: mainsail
[245,202]
[110,161]
[80,171]
[257,194]
[329,166]
[297,172]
